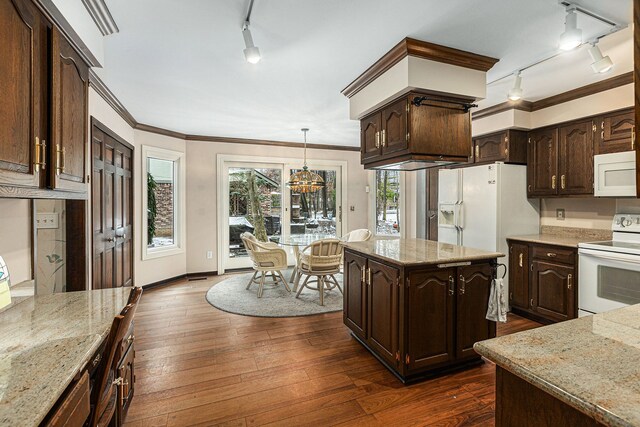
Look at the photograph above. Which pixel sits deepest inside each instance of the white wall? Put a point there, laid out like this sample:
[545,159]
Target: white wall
[78,16]
[202,197]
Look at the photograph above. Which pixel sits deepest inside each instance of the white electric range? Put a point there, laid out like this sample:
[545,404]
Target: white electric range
[609,272]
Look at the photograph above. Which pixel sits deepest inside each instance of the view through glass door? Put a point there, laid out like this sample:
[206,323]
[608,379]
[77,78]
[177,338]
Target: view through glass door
[255,205]
[257,200]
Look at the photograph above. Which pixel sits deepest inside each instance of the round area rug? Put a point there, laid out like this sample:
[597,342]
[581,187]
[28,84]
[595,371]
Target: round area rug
[232,296]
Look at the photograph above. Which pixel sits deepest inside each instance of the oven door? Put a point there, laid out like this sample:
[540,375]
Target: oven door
[608,280]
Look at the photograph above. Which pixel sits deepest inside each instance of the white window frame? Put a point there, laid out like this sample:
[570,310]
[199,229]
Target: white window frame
[179,210]
[373,226]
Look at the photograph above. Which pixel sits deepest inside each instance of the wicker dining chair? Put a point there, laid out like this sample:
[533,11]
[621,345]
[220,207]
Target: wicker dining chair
[359,235]
[322,260]
[268,259]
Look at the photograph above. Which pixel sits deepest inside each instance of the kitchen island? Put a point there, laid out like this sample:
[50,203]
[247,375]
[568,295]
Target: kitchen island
[579,372]
[418,305]
[48,343]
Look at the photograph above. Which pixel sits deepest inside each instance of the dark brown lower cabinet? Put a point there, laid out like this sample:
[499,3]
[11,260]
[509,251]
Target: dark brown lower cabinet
[420,319]
[543,282]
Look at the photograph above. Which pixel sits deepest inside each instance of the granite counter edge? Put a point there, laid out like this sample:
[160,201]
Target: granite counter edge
[590,409]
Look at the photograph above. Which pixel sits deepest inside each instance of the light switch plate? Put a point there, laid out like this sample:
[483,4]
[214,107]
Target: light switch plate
[48,220]
[560,214]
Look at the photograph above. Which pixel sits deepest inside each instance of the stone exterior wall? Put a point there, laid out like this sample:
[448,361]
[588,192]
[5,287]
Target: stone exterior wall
[164,216]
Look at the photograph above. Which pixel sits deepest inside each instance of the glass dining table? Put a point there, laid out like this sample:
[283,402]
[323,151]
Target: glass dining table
[295,241]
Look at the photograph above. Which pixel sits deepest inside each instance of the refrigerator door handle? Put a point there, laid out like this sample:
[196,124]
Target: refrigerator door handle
[460,216]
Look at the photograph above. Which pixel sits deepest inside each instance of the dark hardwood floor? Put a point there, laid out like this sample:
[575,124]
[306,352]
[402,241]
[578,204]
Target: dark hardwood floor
[196,365]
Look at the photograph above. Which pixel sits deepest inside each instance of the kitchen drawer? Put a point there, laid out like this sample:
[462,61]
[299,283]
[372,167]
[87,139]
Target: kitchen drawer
[555,254]
[126,342]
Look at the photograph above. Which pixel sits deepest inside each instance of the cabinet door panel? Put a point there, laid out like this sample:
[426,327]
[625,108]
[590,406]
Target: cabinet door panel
[370,137]
[23,92]
[69,117]
[519,275]
[125,391]
[394,125]
[474,285]
[383,310]
[355,295]
[490,148]
[430,318]
[542,162]
[553,290]
[615,132]
[576,158]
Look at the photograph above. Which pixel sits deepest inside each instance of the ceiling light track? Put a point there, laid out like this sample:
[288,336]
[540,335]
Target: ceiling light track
[600,63]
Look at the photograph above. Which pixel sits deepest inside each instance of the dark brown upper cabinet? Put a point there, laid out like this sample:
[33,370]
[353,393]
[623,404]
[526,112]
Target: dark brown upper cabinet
[70,80]
[575,158]
[509,146]
[615,132]
[542,163]
[23,108]
[402,135]
[43,110]
[560,160]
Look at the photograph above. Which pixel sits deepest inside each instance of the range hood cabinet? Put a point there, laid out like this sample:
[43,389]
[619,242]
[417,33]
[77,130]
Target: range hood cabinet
[416,131]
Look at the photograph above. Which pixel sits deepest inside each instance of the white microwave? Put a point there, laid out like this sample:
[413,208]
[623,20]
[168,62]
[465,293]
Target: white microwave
[615,174]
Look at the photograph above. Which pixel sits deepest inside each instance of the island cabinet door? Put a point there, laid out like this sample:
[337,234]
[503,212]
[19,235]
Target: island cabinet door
[474,285]
[430,306]
[552,288]
[382,335]
[355,295]
[519,275]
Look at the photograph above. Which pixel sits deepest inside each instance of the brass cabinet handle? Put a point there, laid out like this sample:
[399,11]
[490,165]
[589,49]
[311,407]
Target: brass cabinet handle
[377,139]
[602,135]
[451,285]
[520,260]
[552,254]
[529,188]
[569,281]
[369,276]
[96,360]
[633,137]
[477,151]
[384,137]
[40,162]
[60,155]
[531,303]
[562,181]
[463,284]
[553,182]
[131,338]
[363,279]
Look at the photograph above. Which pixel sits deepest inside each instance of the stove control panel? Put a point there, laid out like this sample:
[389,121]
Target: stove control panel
[629,223]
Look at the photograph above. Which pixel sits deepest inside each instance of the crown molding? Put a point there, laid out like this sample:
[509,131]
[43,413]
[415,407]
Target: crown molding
[102,17]
[420,49]
[96,82]
[98,85]
[561,98]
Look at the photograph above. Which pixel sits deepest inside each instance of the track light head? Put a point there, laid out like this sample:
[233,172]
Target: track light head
[515,93]
[251,52]
[600,64]
[572,36]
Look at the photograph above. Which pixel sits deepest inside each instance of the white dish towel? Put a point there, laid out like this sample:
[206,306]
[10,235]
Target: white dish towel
[497,310]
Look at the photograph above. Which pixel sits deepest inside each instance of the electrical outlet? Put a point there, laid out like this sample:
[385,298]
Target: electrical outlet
[560,214]
[352,208]
[209,254]
[47,220]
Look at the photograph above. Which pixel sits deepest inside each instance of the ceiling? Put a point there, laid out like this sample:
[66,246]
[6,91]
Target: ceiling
[179,65]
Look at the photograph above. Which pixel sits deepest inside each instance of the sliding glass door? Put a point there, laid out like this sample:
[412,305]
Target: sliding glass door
[256,199]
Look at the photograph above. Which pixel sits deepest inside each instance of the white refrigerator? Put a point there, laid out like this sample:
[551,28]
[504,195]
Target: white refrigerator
[480,206]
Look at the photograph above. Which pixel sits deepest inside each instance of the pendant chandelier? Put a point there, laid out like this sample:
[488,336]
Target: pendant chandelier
[305,181]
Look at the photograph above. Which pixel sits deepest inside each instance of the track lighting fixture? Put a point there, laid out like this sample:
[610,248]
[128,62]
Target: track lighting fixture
[572,36]
[251,51]
[515,93]
[600,64]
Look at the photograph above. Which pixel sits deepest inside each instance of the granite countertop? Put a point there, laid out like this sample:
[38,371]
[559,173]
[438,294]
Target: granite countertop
[551,239]
[46,341]
[419,251]
[590,363]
